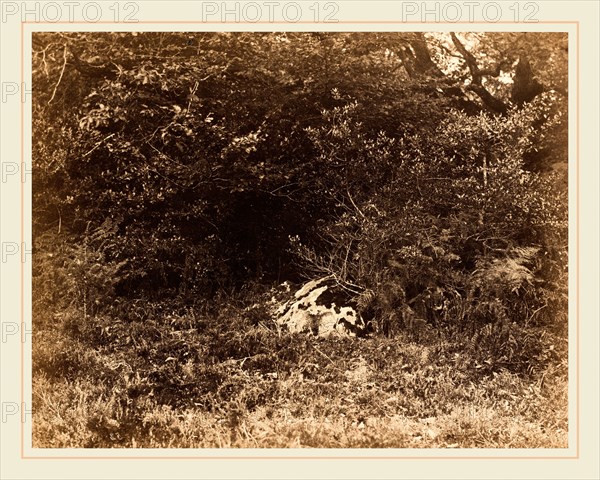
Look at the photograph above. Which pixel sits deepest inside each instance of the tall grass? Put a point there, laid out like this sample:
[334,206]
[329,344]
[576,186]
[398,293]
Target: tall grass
[231,379]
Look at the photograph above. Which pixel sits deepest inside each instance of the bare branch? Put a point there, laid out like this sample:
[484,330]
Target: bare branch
[354,204]
[488,99]
[61,74]
[477,74]
[469,59]
[98,144]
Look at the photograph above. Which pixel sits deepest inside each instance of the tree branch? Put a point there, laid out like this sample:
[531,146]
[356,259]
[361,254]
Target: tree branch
[98,144]
[61,74]
[90,69]
[476,86]
[488,99]
[469,59]
[416,58]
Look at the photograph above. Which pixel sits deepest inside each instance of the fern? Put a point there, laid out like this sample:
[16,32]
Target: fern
[509,273]
[77,272]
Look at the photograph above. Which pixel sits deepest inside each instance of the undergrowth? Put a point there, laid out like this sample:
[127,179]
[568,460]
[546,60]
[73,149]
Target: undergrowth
[227,377]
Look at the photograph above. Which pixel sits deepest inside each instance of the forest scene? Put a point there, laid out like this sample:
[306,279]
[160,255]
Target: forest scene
[192,189]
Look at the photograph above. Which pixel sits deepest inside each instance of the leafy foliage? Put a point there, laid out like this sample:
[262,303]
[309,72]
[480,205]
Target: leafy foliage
[425,172]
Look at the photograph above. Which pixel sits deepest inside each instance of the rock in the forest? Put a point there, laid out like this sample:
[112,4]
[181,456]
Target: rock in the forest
[320,307]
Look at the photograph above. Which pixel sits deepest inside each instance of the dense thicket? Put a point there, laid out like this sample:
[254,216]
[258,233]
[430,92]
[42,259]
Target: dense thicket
[426,172]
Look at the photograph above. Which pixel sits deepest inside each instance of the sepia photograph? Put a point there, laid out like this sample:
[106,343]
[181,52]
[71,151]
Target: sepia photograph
[300,240]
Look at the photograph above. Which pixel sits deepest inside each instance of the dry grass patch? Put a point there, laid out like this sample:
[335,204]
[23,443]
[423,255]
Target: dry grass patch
[250,387]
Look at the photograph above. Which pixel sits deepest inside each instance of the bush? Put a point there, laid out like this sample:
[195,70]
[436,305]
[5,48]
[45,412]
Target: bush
[469,240]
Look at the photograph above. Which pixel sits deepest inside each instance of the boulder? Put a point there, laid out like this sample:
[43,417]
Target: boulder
[320,307]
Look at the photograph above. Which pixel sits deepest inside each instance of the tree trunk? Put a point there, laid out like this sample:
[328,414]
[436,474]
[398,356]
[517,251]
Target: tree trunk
[525,87]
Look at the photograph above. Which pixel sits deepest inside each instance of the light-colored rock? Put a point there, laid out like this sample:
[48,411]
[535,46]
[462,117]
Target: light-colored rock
[320,308]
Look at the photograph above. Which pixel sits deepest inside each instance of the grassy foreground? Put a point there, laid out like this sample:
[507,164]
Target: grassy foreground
[231,379]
